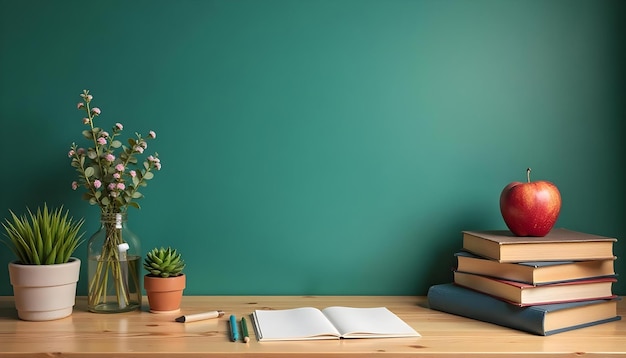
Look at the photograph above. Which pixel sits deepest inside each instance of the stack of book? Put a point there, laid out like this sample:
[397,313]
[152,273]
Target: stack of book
[542,285]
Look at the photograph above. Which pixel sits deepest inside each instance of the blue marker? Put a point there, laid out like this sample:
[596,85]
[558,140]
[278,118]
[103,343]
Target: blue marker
[234,331]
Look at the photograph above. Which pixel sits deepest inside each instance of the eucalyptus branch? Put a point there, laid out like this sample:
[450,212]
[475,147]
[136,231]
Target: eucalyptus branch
[112,181]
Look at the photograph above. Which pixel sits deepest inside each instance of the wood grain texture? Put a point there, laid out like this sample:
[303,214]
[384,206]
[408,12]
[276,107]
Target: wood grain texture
[141,333]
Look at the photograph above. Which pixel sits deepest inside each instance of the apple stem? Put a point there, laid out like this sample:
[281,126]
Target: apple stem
[528,174]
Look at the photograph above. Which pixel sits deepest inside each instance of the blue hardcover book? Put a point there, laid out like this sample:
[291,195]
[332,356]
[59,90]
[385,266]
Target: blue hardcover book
[541,320]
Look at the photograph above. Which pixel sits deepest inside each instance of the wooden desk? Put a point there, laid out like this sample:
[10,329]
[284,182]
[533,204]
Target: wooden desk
[143,333]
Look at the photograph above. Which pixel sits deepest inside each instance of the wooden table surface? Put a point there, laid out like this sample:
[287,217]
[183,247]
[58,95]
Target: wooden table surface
[141,333]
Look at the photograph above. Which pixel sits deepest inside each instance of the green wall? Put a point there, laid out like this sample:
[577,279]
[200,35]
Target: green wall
[321,147]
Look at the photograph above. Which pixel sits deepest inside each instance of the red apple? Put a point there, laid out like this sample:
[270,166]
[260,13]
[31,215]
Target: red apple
[531,208]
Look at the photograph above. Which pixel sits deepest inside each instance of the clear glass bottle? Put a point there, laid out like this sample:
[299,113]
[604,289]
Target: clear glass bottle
[113,270]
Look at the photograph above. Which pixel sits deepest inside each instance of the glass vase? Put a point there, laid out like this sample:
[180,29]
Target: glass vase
[113,269]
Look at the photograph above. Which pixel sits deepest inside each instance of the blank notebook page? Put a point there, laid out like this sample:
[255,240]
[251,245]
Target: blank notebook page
[293,323]
[378,321]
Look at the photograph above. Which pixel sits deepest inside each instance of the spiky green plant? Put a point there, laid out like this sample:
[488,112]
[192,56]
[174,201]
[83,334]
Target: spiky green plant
[164,262]
[43,238]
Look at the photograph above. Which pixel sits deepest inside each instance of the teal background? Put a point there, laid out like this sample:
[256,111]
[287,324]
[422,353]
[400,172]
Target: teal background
[321,147]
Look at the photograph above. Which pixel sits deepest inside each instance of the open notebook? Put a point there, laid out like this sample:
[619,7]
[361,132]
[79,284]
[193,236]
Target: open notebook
[330,323]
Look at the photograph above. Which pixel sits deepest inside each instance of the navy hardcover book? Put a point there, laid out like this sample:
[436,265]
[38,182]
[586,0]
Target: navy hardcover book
[541,320]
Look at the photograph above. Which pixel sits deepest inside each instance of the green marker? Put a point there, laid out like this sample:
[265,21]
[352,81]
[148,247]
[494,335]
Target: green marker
[244,329]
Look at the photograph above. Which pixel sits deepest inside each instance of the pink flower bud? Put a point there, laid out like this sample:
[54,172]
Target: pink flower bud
[80,105]
[109,157]
[111,186]
[74,185]
[119,126]
[86,120]
[152,134]
[104,134]
[102,141]
[121,186]
[138,149]
[116,175]
[133,173]
[157,166]
[97,184]
[96,111]
[120,167]
[71,153]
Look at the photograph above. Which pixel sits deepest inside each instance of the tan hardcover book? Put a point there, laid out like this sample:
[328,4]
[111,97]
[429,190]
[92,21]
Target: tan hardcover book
[559,244]
[535,272]
[523,294]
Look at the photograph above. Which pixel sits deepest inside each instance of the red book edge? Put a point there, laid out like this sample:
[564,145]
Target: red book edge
[523,285]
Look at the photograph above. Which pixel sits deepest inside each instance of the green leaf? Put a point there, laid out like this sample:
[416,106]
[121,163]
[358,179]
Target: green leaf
[116,144]
[157,261]
[148,175]
[89,171]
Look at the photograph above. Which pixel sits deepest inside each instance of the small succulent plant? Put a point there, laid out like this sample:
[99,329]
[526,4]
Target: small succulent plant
[164,262]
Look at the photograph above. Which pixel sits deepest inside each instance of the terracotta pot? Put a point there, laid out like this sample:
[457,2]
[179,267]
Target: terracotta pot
[44,292]
[164,294]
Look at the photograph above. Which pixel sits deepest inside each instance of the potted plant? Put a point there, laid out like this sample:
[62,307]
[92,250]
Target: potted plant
[45,273]
[165,281]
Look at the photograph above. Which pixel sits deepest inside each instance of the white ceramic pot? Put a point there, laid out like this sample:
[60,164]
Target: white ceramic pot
[44,292]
